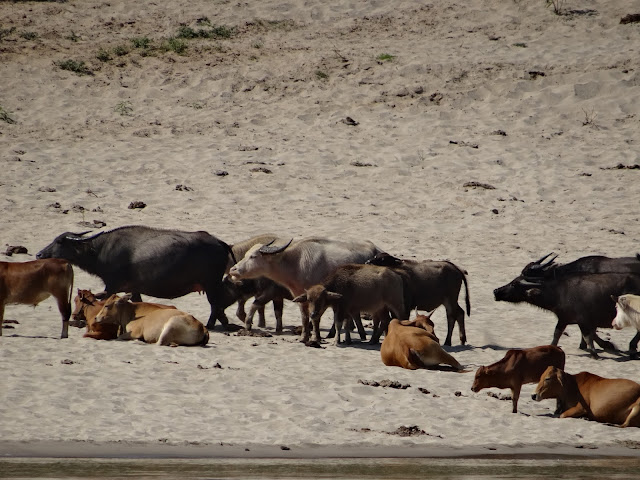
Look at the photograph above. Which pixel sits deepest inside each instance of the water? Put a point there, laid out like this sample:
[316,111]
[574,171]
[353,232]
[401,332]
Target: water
[210,469]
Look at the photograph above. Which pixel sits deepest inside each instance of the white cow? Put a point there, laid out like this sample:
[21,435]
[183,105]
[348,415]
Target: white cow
[301,264]
[628,315]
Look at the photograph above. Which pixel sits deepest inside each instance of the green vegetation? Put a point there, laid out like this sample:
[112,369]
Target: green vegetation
[141,42]
[103,55]
[29,35]
[73,37]
[120,50]
[221,31]
[5,32]
[385,57]
[77,67]
[174,44]
[5,116]
[520,44]
[321,75]
[124,108]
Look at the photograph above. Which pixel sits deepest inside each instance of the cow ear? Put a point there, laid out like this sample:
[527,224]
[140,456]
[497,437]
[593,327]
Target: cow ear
[301,298]
[334,296]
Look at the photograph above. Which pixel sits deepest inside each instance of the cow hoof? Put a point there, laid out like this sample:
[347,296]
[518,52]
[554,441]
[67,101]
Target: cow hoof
[633,355]
[313,344]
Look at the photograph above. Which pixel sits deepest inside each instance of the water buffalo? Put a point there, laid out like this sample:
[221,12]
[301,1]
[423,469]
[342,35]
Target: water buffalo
[302,264]
[150,261]
[430,284]
[578,293]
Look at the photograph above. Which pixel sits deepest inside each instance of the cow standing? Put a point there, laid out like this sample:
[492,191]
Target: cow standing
[578,293]
[429,284]
[300,265]
[352,289]
[150,261]
[518,366]
[29,283]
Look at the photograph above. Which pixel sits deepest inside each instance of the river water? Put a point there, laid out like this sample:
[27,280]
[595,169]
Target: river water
[449,468]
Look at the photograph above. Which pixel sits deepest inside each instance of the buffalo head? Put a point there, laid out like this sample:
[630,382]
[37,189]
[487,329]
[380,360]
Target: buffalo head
[527,286]
[67,245]
[383,259]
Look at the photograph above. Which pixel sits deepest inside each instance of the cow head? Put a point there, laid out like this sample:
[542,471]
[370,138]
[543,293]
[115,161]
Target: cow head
[257,261]
[424,322]
[68,246]
[319,299]
[627,311]
[551,384]
[482,379]
[526,287]
[116,310]
[83,299]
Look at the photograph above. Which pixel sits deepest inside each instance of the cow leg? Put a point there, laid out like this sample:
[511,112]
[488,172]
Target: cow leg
[588,339]
[381,323]
[557,333]
[633,419]
[1,316]
[65,310]
[278,308]
[248,323]
[633,346]
[262,321]
[515,396]
[214,297]
[337,321]
[240,312]
[304,312]
[332,331]
[358,322]
[604,344]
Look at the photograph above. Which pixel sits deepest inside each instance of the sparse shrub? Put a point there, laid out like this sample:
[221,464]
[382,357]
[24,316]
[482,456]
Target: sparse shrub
[124,108]
[120,50]
[141,42]
[385,57]
[5,32]
[103,55]
[29,35]
[175,45]
[187,32]
[77,67]
[321,75]
[520,44]
[73,37]
[257,44]
[589,117]
[5,116]
[557,5]
[221,31]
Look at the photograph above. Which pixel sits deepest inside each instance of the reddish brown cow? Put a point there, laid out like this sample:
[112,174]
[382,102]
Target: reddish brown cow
[518,366]
[606,400]
[425,323]
[29,283]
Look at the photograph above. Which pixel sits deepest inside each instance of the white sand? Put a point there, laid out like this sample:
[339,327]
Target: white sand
[277,93]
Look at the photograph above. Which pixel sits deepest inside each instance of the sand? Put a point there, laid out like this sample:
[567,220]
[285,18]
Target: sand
[343,119]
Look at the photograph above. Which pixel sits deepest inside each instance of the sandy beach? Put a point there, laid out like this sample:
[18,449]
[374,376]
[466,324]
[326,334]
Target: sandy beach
[488,133]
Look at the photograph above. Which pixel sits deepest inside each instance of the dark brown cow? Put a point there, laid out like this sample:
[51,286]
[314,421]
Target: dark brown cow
[29,283]
[605,400]
[518,366]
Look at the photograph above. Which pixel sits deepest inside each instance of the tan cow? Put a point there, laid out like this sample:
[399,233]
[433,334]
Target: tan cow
[29,283]
[517,367]
[163,326]
[87,307]
[413,348]
[425,323]
[605,400]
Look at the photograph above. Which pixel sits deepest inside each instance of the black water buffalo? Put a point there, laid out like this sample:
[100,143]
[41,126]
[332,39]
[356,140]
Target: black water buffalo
[578,293]
[429,284]
[150,261]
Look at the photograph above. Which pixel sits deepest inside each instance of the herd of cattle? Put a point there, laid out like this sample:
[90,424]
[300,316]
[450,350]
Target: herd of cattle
[351,277]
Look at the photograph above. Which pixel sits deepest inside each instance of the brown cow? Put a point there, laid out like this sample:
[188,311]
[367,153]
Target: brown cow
[87,307]
[605,400]
[518,366]
[148,322]
[30,283]
[413,348]
[425,323]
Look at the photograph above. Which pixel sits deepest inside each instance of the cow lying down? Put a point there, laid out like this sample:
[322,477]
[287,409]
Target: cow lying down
[88,305]
[605,400]
[517,367]
[412,348]
[163,326]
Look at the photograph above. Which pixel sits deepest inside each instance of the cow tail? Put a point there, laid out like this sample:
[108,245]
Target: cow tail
[69,297]
[466,286]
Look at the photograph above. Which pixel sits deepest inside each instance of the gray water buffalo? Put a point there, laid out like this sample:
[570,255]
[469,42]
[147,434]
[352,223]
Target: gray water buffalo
[351,289]
[578,293]
[150,261]
[29,283]
[302,264]
[432,283]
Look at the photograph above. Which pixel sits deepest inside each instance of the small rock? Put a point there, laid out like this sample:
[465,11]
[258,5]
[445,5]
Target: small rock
[137,204]
[350,121]
[260,169]
[358,163]
[495,211]
[221,173]
[499,132]
[183,188]
[47,189]
[284,447]
[486,186]
[631,18]
[66,361]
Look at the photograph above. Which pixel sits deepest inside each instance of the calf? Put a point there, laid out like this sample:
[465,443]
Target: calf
[351,289]
[605,400]
[30,283]
[152,324]
[424,322]
[413,348]
[87,307]
[518,366]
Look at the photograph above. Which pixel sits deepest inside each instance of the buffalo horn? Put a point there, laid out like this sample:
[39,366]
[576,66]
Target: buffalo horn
[529,283]
[268,249]
[77,236]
